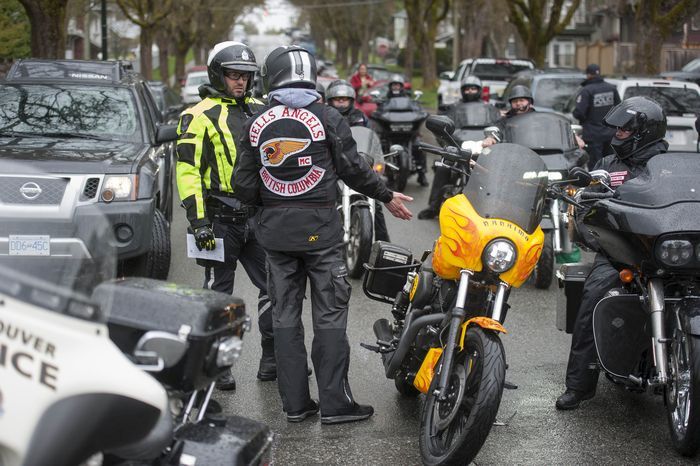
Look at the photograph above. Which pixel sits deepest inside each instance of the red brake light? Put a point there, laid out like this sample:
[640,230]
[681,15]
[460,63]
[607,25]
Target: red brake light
[485,94]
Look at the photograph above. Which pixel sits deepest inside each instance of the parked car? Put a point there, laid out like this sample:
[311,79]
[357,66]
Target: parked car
[168,101]
[549,90]
[493,72]
[689,72]
[96,128]
[190,89]
[679,99]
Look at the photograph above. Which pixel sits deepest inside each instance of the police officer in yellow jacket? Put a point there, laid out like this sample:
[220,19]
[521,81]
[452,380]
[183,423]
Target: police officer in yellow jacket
[292,155]
[206,156]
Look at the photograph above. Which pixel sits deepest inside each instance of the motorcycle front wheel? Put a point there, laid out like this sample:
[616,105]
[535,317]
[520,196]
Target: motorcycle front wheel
[399,178]
[453,431]
[360,243]
[544,269]
[683,392]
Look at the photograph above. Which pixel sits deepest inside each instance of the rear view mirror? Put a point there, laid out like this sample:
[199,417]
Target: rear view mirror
[577,129]
[440,125]
[166,133]
[417,95]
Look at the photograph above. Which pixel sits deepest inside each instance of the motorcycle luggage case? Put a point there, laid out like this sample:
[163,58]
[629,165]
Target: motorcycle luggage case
[203,317]
[570,278]
[229,441]
[389,265]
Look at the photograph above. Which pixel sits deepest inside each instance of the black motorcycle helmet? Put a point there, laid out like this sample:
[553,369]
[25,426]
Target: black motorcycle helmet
[340,88]
[641,115]
[520,92]
[230,55]
[471,81]
[321,90]
[289,66]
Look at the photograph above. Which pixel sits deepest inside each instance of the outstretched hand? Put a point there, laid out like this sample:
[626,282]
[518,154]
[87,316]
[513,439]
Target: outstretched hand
[397,208]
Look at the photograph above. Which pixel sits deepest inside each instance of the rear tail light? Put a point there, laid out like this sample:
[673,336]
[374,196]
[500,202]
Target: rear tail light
[485,94]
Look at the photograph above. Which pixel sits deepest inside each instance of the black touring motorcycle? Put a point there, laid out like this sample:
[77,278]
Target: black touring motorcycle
[647,333]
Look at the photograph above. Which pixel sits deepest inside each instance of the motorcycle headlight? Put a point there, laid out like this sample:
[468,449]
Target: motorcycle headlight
[676,252]
[499,255]
[228,351]
[119,188]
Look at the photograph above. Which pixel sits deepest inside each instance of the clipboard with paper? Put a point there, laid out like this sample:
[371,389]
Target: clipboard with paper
[194,253]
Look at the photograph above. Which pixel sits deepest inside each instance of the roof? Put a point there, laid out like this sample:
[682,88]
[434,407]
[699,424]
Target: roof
[71,70]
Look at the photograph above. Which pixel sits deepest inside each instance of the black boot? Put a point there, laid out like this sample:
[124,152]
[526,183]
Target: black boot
[226,382]
[422,179]
[267,370]
[356,412]
[428,213]
[571,399]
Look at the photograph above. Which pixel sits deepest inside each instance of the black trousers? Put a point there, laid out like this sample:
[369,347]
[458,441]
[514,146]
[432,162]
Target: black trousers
[582,370]
[241,246]
[381,233]
[442,178]
[288,273]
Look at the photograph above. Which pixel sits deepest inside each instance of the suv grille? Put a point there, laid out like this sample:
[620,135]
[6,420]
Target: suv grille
[91,186]
[28,190]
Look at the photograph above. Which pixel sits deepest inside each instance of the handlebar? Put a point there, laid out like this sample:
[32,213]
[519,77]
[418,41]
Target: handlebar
[587,196]
[453,154]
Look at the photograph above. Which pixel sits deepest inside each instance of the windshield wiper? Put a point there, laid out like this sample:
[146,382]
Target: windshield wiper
[68,134]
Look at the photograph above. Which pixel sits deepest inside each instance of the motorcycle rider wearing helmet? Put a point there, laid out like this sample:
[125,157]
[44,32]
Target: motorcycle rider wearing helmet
[640,125]
[207,152]
[521,101]
[292,155]
[470,90]
[341,96]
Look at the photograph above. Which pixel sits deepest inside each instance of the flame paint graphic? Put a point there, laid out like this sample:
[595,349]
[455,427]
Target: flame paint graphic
[277,150]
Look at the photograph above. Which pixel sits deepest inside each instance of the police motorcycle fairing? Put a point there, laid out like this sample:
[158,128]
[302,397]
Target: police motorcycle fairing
[551,136]
[647,334]
[448,308]
[398,121]
[358,210]
[68,393]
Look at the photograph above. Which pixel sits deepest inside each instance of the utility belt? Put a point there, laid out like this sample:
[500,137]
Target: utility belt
[228,210]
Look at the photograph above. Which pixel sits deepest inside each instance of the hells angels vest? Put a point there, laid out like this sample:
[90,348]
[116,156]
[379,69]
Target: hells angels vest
[296,164]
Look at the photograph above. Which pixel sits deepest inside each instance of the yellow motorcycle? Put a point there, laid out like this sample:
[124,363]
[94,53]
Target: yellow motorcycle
[449,307]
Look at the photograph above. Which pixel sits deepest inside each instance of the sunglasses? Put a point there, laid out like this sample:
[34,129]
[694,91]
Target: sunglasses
[236,75]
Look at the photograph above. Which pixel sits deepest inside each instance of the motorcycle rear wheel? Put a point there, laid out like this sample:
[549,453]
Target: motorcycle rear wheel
[452,432]
[360,244]
[683,392]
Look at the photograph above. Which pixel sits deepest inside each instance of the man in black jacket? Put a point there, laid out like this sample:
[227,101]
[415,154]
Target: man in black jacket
[640,125]
[521,101]
[593,102]
[293,153]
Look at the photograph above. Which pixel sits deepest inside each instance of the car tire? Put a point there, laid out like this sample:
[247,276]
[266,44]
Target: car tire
[156,262]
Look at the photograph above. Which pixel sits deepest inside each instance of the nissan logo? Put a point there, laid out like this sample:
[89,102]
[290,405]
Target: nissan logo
[30,190]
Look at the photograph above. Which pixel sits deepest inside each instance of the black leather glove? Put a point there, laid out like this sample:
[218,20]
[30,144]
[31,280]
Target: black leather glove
[204,238]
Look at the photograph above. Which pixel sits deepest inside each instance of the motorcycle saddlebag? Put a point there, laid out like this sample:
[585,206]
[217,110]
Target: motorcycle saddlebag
[622,334]
[570,278]
[203,317]
[229,441]
[388,267]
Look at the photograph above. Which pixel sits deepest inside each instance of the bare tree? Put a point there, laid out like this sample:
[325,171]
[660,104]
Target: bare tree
[535,27]
[47,19]
[423,19]
[147,14]
[655,21]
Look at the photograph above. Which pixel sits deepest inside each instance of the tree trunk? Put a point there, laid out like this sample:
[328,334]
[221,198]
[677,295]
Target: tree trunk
[410,44]
[48,27]
[354,54]
[180,57]
[342,56]
[647,55]
[146,49]
[429,64]
[536,50]
[163,53]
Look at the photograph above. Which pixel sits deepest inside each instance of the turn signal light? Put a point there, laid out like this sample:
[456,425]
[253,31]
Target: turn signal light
[626,276]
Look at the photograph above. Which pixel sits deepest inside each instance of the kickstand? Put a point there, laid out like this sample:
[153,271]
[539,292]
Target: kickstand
[506,422]
[510,385]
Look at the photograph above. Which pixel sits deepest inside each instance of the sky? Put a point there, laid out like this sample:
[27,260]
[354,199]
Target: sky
[276,15]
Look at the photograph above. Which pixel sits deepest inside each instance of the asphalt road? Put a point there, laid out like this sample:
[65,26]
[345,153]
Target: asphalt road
[615,427]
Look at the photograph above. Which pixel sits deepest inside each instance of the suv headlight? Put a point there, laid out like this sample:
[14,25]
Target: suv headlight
[499,255]
[119,188]
[228,351]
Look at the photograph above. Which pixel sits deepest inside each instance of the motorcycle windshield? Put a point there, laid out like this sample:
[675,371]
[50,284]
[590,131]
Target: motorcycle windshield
[668,178]
[540,131]
[54,248]
[509,182]
[401,104]
[474,115]
[368,143]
